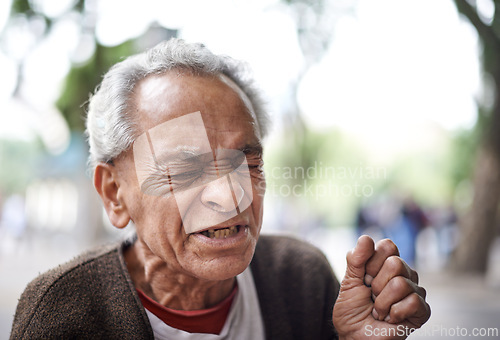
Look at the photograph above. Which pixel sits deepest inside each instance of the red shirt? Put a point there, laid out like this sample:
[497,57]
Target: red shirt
[209,320]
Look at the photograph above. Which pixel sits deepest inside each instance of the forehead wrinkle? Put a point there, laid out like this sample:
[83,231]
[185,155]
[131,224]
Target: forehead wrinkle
[179,95]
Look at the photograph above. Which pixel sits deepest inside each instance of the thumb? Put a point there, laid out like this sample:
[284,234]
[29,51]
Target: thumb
[357,258]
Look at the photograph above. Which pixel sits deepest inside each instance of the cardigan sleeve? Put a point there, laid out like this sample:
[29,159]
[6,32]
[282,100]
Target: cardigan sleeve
[88,297]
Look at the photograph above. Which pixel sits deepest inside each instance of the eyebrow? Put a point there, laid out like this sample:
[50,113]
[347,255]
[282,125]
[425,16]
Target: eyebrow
[180,153]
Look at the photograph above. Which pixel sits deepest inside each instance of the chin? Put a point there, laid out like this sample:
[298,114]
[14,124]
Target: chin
[223,268]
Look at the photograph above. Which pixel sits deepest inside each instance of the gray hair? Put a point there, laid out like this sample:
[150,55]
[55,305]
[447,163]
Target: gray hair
[110,126]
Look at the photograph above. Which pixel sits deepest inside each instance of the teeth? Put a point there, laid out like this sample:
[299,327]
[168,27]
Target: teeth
[221,233]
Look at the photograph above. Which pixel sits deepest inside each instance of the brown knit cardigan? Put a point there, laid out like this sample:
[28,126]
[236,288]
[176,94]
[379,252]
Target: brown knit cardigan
[93,297]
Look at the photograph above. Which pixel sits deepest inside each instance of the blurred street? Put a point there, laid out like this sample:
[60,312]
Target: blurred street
[459,304]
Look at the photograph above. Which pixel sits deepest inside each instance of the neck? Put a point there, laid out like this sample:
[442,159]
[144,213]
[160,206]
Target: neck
[171,287]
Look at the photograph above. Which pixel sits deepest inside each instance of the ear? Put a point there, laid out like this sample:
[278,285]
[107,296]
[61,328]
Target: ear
[107,185]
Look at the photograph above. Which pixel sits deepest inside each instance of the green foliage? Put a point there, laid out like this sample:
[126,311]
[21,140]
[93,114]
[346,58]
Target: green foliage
[80,5]
[424,175]
[21,6]
[25,8]
[463,153]
[82,80]
[343,166]
[323,173]
[17,160]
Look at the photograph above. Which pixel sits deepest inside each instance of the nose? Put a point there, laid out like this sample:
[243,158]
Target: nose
[222,195]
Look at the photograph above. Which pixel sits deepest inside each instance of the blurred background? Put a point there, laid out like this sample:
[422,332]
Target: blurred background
[386,121]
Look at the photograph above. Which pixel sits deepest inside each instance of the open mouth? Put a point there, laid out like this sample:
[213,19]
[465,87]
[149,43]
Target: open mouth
[221,232]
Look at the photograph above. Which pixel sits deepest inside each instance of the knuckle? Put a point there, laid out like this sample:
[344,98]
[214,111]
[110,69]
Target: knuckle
[395,264]
[414,275]
[381,306]
[388,247]
[422,292]
[398,284]
[397,314]
[428,311]
[414,302]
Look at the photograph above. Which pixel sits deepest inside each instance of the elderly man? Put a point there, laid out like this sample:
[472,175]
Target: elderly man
[175,143]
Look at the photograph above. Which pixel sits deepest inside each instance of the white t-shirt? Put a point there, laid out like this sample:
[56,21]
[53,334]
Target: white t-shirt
[244,321]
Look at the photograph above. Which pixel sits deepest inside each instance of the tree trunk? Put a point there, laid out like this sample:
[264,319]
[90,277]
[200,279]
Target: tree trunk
[478,227]
[480,224]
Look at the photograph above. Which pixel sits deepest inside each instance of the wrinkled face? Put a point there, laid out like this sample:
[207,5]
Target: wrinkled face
[193,180]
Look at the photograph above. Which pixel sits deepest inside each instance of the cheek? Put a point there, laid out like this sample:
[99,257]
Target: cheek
[159,226]
[155,214]
[259,189]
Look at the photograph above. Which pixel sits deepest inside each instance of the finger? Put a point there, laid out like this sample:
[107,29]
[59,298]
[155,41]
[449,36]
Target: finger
[412,308]
[392,267]
[383,249]
[397,289]
[357,257]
